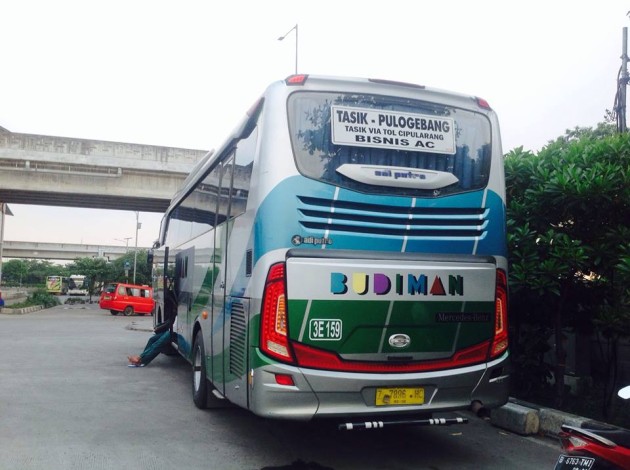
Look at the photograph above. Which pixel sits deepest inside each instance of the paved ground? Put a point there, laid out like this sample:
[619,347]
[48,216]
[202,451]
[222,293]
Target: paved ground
[69,401]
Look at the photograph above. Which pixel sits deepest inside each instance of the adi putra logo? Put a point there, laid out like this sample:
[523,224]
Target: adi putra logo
[400,284]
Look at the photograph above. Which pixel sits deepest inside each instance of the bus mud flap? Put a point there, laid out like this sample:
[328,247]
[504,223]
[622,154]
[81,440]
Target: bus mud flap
[413,422]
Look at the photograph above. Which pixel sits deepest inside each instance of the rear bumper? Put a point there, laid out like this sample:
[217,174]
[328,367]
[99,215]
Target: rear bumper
[322,394]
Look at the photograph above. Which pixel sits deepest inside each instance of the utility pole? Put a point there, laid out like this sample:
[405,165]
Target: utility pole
[622,83]
[135,253]
[4,211]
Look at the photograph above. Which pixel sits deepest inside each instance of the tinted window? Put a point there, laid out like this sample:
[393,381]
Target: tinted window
[318,157]
[110,288]
[223,209]
[243,165]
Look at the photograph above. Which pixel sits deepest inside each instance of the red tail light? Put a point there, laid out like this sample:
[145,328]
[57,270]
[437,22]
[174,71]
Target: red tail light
[274,340]
[296,79]
[483,103]
[500,342]
[315,358]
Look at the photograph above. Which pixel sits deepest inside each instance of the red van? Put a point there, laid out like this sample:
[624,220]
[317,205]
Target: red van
[129,299]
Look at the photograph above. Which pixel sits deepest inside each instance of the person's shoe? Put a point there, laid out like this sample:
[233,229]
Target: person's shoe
[134,360]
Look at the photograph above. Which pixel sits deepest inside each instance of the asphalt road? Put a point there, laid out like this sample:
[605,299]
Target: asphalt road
[69,401]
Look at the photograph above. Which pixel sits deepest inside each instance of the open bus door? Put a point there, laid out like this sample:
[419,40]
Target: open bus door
[184,277]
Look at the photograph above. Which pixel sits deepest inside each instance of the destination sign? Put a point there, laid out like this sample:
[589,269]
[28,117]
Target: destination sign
[363,127]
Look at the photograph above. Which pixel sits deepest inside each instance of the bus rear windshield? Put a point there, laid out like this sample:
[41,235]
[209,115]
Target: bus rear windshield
[389,145]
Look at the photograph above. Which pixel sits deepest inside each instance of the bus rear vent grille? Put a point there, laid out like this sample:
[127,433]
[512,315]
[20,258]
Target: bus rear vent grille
[375,219]
[237,340]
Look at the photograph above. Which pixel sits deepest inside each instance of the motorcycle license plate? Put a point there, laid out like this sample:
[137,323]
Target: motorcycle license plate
[570,462]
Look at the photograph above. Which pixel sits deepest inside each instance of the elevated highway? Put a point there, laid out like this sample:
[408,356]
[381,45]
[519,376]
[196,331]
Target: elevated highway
[70,172]
[62,251]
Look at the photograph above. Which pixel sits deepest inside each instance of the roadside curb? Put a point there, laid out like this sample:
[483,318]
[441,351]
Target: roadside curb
[525,419]
[20,311]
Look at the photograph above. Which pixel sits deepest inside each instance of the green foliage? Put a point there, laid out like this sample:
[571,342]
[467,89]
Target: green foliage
[99,271]
[116,269]
[29,272]
[93,268]
[39,297]
[568,213]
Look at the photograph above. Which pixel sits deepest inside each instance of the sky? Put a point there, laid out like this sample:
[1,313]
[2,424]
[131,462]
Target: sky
[181,74]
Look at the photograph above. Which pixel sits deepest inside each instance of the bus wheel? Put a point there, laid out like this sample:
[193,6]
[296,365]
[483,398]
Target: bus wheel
[113,312]
[128,311]
[199,381]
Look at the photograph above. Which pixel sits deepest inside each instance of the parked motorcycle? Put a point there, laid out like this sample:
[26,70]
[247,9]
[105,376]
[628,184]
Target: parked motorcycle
[595,445]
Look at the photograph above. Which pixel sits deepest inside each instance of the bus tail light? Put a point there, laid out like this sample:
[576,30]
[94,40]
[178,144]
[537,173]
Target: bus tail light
[315,358]
[296,79]
[274,340]
[500,342]
[483,103]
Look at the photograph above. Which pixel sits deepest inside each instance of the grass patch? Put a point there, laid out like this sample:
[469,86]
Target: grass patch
[39,297]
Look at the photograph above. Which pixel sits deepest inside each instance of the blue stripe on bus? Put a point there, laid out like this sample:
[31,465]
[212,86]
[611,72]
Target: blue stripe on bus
[279,214]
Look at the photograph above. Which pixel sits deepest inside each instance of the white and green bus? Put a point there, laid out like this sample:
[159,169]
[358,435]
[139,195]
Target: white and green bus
[343,255]
[78,285]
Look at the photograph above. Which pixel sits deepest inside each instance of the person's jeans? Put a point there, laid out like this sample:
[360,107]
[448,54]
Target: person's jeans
[157,343]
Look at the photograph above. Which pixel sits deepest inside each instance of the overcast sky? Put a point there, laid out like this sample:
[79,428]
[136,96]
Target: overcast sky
[182,73]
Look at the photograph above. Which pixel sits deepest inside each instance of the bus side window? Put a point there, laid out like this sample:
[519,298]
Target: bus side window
[245,152]
[225,186]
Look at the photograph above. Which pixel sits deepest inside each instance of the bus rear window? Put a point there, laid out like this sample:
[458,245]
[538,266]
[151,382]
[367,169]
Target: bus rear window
[389,145]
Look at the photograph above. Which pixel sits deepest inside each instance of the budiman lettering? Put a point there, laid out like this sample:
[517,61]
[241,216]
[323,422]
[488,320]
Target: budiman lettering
[399,284]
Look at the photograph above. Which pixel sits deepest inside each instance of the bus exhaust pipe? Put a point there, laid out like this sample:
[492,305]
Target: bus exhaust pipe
[481,411]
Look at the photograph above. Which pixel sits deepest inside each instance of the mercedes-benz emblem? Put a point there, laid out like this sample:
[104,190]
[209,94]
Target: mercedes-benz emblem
[399,340]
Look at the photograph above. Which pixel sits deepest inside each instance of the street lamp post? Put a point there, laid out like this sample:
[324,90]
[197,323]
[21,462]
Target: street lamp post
[295,28]
[4,211]
[126,240]
[135,253]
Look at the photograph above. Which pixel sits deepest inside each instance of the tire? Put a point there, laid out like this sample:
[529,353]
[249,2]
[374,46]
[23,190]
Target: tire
[113,312]
[199,381]
[128,311]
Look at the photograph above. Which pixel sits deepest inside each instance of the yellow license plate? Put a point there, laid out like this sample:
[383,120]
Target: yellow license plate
[399,396]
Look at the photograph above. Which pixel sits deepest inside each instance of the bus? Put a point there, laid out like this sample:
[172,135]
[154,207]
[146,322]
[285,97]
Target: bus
[56,285]
[343,255]
[78,285]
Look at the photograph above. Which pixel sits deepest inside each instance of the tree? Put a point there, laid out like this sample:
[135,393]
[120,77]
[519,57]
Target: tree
[14,272]
[568,230]
[116,269]
[32,272]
